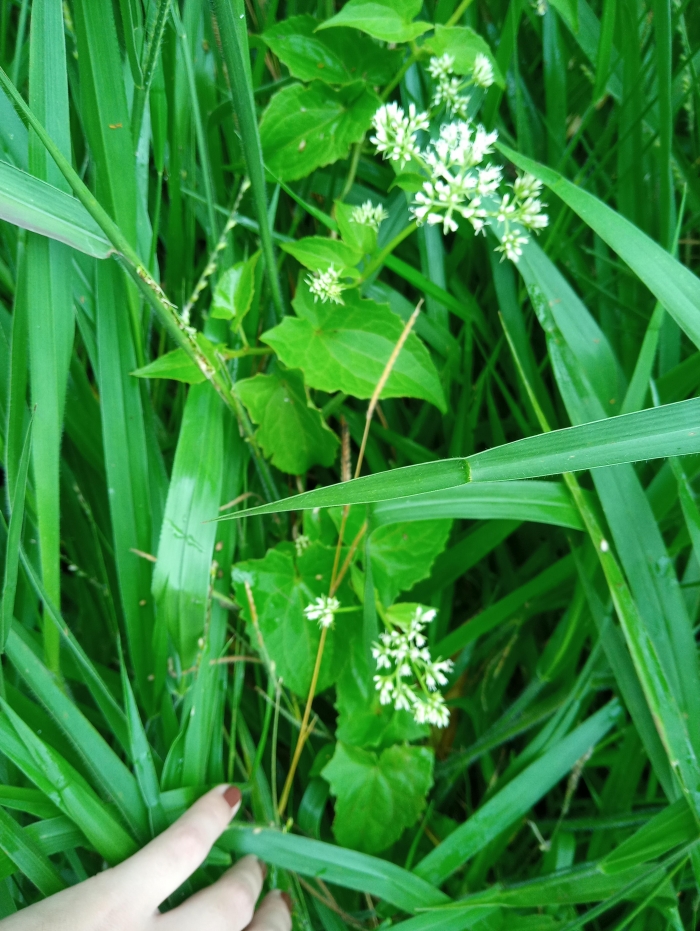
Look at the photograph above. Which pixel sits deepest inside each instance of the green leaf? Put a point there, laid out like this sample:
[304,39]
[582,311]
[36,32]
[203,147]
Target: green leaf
[542,502]
[27,856]
[304,128]
[318,253]
[292,433]
[378,796]
[177,365]
[346,868]
[14,537]
[346,349]
[187,538]
[673,285]
[516,798]
[107,772]
[656,433]
[358,236]
[35,205]
[234,291]
[64,786]
[337,57]
[403,554]
[282,587]
[463,44]
[389,20]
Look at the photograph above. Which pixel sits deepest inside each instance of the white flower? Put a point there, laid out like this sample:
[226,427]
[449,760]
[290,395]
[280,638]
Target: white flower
[322,610]
[396,133]
[369,215]
[511,245]
[412,678]
[482,73]
[326,286]
[442,67]
[526,186]
[540,7]
[301,543]
[432,709]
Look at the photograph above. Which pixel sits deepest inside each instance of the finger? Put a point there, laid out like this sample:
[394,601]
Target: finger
[227,905]
[274,914]
[155,872]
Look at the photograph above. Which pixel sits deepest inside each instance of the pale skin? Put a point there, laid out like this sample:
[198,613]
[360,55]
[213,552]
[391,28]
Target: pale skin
[127,897]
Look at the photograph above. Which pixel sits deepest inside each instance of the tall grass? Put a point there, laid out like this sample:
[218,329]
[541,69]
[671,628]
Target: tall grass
[529,470]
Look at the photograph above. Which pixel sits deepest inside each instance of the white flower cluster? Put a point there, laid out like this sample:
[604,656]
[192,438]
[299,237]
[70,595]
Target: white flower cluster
[301,543]
[395,133]
[461,181]
[326,286]
[369,215]
[412,678]
[449,89]
[322,610]
[525,209]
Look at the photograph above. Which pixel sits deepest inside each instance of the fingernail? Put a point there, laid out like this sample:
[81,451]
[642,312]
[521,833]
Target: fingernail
[233,796]
[263,869]
[287,899]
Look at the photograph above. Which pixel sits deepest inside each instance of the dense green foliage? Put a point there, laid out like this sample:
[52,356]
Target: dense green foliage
[460,689]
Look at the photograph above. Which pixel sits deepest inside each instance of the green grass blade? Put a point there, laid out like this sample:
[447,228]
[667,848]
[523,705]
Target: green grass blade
[345,868]
[114,781]
[186,549]
[32,204]
[28,857]
[673,285]
[14,538]
[542,502]
[516,798]
[49,297]
[142,758]
[65,787]
[673,429]
[234,44]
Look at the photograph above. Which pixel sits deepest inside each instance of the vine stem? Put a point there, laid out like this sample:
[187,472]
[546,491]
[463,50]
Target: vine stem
[337,577]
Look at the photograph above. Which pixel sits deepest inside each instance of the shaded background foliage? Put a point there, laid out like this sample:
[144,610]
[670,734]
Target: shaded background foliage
[564,790]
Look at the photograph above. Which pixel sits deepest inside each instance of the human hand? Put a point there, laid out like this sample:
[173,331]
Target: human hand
[126,897]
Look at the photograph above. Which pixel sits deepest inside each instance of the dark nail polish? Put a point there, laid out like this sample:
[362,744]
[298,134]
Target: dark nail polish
[263,869]
[287,899]
[233,796]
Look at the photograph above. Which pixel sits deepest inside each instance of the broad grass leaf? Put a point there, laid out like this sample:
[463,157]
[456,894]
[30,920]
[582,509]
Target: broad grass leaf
[463,44]
[389,20]
[107,772]
[177,365]
[283,585]
[292,434]
[377,796]
[542,502]
[673,285]
[403,554]
[28,857]
[34,205]
[14,537]
[671,827]
[304,128]
[346,349]
[186,548]
[64,786]
[671,430]
[346,868]
[517,797]
[336,57]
